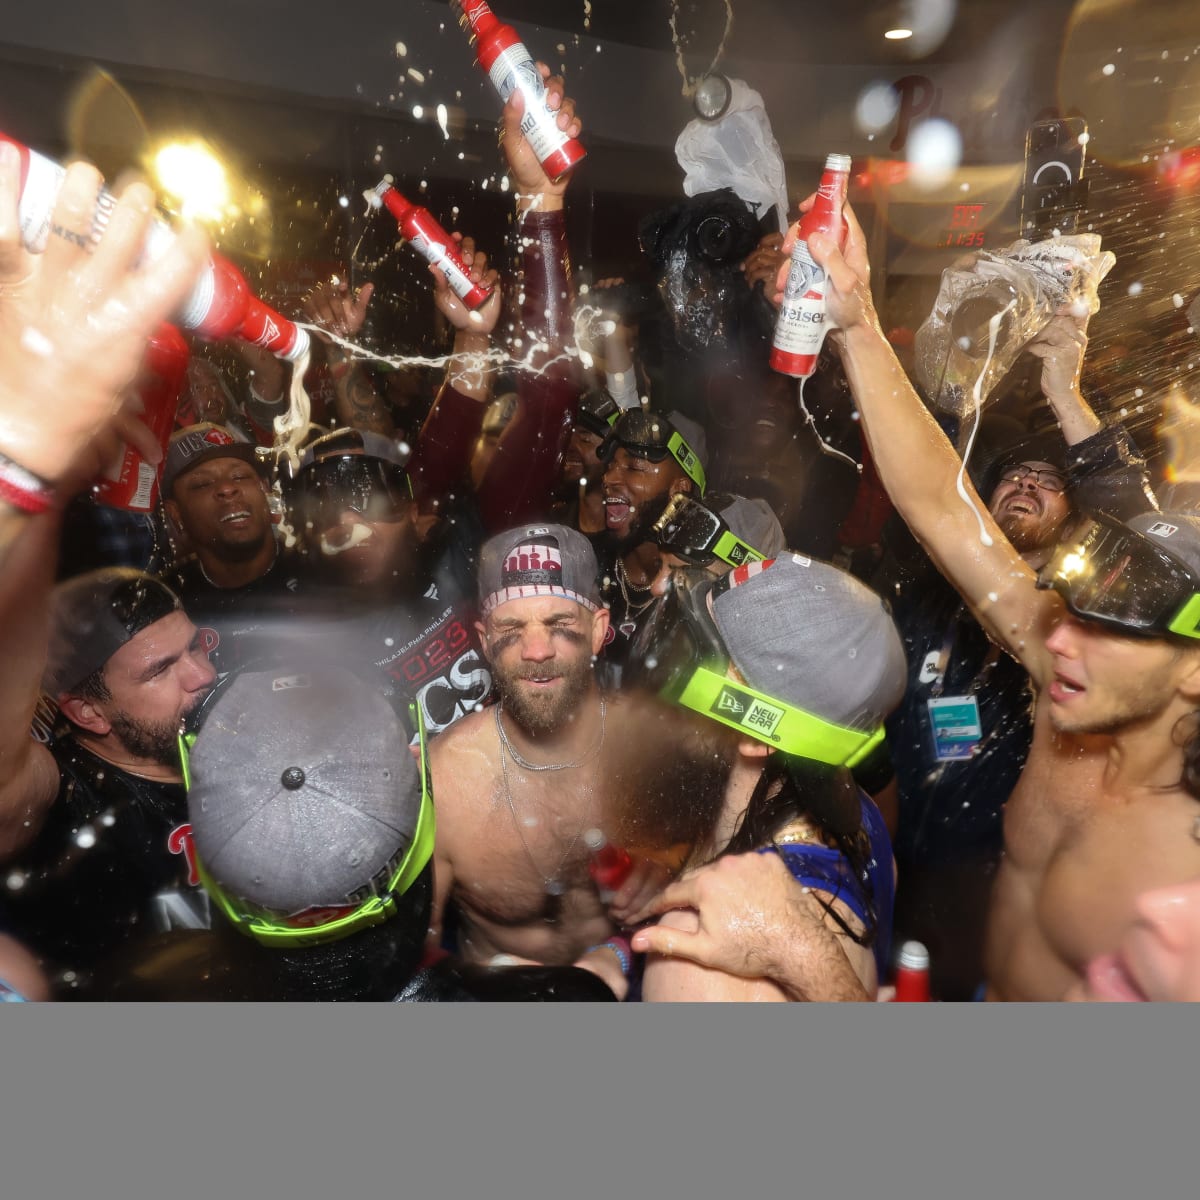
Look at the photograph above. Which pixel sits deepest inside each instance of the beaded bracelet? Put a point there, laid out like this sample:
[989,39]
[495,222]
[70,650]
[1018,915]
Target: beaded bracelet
[22,488]
[621,948]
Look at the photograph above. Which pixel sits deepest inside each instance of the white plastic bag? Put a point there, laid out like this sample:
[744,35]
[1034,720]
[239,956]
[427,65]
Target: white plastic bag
[737,151]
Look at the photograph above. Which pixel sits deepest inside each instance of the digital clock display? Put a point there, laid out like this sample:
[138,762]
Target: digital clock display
[965,230]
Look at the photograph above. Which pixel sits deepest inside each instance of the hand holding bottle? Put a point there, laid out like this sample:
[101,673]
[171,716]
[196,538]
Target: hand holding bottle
[481,320]
[529,176]
[75,321]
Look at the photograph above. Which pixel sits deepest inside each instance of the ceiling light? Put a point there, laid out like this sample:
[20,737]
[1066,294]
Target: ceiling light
[898,35]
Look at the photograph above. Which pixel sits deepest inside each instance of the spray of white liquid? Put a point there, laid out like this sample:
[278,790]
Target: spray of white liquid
[985,538]
[826,448]
[690,81]
[358,534]
[292,426]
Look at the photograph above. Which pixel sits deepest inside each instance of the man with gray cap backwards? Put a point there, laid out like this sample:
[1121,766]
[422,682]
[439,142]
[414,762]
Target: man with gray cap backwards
[793,664]
[110,852]
[520,786]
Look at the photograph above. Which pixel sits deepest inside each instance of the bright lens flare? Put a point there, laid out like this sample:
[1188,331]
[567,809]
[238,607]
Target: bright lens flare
[1072,565]
[191,173]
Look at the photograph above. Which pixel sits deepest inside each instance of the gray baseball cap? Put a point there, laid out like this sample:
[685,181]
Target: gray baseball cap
[814,637]
[303,791]
[754,522]
[538,560]
[200,443]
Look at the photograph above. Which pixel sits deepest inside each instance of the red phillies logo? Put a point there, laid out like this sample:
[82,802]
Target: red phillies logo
[218,437]
[180,841]
[532,557]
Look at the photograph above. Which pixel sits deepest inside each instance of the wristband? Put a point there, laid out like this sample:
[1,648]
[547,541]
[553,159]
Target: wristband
[22,488]
[621,948]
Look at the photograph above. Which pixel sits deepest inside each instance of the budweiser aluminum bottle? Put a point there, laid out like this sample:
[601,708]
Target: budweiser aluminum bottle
[609,866]
[511,68]
[130,482]
[912,973]
[430,240]
[220,305]
[800,329]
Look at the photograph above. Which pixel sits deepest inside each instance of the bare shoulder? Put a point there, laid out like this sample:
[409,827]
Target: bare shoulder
[462,759]
[679,980]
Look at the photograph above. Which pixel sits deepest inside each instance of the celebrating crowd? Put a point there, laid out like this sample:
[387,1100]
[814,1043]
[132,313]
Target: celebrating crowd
[533,689]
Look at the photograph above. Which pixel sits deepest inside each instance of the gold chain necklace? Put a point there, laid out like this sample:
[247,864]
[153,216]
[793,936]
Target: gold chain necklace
[625,585]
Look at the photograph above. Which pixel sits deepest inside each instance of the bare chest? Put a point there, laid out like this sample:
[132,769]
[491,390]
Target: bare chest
[1076,858]
[523,855]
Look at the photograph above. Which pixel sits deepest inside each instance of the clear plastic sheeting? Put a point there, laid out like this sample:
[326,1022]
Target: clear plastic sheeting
[987,312]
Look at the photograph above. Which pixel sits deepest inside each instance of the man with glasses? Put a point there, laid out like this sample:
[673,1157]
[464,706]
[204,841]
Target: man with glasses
[961,733]
[1106,807]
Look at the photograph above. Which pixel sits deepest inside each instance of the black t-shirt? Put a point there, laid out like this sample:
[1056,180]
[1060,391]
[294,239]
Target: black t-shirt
[247,624]
[112,863]
[423,648]
[953,810]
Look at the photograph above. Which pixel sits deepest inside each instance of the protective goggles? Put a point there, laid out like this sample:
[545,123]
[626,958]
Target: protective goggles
[597,414]
[679,653]
[372,487]
[1117,577]
[693,532]
[371,904]
[642,435]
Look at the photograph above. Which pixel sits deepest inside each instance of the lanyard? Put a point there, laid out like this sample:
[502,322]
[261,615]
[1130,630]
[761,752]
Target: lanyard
[943,659]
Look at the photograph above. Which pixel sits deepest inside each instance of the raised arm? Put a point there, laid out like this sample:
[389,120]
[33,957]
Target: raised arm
[920,469]
[74,322]
[1106,470]
[524,469]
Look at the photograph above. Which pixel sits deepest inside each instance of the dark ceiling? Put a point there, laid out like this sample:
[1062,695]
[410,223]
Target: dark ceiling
[829,32]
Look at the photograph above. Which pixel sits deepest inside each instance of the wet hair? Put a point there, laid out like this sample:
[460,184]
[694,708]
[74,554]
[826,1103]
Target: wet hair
[94,687]
[791,787]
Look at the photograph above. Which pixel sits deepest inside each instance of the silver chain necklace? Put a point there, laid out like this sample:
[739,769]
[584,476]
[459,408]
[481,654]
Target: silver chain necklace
[552,884]
[524,763]
[626,586]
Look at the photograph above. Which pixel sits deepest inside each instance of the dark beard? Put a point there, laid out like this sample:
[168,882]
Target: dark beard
[541,716]
[147,739]
[612,545]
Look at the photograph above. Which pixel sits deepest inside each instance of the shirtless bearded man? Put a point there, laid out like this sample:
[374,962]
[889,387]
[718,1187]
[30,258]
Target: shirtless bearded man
[519,786]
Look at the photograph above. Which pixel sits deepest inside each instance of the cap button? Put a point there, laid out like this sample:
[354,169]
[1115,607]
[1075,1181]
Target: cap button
[292,778]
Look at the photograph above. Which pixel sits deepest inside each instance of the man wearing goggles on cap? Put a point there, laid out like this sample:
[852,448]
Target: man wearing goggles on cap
[319,867]
[401,614]
[647,462]
[1106,806]
[797,663]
